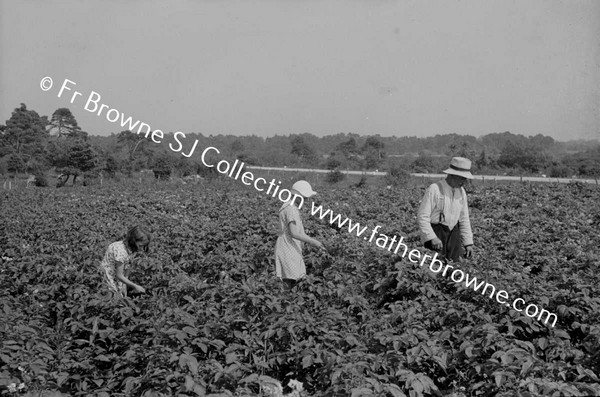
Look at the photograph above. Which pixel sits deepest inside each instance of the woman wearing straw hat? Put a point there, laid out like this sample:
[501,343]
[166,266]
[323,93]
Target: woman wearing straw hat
[289,263]
[443,216]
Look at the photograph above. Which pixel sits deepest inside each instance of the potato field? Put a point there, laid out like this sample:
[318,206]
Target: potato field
[216,321]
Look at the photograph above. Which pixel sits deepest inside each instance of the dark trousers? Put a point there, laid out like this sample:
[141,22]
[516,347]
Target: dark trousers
[451,242]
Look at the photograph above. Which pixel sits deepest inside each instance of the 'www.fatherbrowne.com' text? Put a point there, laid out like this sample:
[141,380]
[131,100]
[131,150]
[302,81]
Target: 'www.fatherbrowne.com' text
[394,244]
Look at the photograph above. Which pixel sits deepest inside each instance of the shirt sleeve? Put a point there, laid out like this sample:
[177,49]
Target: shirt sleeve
[424,215]
[293,215]
[280,223]
[465,224]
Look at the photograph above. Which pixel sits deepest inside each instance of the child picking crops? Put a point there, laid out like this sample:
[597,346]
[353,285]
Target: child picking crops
[116,262]
[289,263]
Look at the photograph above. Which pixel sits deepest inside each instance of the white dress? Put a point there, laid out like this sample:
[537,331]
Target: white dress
[289,262]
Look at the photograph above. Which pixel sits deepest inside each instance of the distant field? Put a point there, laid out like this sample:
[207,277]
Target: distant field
[482,178]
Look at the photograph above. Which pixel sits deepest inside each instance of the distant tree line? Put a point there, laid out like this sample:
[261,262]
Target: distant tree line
[34,144]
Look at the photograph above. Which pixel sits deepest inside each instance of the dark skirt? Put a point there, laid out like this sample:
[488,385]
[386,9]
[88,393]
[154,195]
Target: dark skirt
[451,242]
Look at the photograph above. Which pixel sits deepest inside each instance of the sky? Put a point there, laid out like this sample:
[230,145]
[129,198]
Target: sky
[268,67]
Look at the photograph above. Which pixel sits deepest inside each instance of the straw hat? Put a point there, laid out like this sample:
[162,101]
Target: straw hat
[460,166]
[304,188]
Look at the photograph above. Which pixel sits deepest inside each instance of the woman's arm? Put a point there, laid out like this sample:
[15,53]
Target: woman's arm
[121,277]
[298,235]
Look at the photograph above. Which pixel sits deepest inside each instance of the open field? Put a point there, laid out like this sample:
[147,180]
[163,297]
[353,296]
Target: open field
[364,322]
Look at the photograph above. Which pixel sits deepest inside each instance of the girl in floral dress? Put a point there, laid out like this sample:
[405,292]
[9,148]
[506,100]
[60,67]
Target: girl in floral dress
[115,264]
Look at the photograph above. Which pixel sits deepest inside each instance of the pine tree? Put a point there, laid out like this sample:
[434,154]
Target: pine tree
[64,124]
[482,161]
[72,157]
[25,133]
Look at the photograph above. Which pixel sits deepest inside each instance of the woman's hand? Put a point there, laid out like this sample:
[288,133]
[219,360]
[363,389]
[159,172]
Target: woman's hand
[140,289]
[320,246]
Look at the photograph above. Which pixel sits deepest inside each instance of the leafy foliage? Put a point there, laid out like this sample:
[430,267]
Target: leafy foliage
[528,158]
[373,151]
[24,133]
[162,167]
[72,156]
[301,149]
[40,179]
[15,163]
[427,163]
[335,176]
[585,163]
[131,142]
[81,156]
[29,137]
[397,176]
[215,321]
[63,123]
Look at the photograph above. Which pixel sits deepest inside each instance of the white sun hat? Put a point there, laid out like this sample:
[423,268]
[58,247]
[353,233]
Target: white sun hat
[304,188]
[460,166]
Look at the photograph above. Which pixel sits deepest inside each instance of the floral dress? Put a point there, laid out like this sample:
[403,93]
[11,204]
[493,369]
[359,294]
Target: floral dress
[289,263]
[116,252]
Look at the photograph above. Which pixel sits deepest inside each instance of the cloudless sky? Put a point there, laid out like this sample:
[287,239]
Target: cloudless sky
[269,67]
